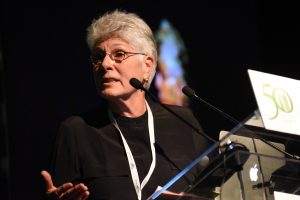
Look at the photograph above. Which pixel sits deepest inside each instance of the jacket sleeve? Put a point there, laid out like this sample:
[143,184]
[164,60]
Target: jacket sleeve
[65,163]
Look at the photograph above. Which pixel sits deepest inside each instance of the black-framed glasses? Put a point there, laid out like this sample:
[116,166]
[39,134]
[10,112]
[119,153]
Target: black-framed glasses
[118,56]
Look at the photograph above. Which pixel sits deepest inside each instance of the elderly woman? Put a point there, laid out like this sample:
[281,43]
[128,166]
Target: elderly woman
[130,145]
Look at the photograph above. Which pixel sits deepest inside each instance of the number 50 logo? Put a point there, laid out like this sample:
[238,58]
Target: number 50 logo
[281,99]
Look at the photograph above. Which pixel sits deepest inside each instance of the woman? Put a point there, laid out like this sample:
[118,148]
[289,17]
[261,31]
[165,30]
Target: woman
[129,146]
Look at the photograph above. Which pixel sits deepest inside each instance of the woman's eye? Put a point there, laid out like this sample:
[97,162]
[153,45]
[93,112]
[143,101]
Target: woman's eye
[119,54]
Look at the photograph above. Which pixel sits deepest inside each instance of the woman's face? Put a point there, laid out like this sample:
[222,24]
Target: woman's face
[112,75]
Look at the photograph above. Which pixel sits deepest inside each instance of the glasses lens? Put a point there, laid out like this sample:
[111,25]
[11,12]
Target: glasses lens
[118,55]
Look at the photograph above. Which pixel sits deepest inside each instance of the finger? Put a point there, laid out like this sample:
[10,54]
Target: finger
[48,180]
[63,188]
[85,195]
[74,192]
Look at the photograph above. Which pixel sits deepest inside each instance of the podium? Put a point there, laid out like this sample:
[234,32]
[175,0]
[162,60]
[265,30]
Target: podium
[241,172]
[259,178]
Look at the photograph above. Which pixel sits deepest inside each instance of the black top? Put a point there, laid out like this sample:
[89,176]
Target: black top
[89,149]
[135,131]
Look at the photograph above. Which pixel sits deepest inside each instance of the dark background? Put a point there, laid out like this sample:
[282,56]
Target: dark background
[46,74]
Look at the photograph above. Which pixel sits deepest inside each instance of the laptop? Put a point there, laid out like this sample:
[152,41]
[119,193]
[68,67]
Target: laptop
[256,173]
[278,100]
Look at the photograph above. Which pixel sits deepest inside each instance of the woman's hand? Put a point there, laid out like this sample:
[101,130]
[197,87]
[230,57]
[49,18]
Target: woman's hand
[65,191]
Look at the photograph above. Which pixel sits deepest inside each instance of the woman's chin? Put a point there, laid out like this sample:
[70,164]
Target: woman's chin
[109,93]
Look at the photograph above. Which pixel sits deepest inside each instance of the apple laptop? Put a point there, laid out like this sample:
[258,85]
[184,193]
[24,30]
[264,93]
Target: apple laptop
[257,170]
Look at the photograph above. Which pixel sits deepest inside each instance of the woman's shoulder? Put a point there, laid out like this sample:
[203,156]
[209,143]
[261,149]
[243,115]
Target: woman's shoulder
[173,113]
[180,110]
[96,117]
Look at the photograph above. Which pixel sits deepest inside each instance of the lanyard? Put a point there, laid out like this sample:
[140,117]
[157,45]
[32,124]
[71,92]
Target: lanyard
[132,166]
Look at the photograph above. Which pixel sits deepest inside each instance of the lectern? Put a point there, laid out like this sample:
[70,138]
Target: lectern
[241,173]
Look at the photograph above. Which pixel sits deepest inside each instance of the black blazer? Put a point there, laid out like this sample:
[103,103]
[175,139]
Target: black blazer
[88,149]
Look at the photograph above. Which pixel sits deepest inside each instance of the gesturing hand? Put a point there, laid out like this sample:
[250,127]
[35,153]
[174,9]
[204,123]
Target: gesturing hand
[66,191]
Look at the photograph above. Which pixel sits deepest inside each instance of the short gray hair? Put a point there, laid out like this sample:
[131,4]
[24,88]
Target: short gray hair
[127,26]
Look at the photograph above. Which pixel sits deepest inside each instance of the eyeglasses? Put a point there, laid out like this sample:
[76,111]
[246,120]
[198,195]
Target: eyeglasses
[117,55]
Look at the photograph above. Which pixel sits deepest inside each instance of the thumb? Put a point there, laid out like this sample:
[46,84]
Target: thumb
[48,181]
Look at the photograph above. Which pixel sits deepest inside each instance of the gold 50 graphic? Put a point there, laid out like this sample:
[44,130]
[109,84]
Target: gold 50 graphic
[280,98]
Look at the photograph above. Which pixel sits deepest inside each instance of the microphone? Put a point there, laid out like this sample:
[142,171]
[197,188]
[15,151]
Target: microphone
[138,85]
[191,93]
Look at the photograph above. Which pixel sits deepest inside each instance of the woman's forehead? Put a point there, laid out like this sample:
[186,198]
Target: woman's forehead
[114,41]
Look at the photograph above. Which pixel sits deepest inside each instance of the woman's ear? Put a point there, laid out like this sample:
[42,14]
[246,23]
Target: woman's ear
[148,66]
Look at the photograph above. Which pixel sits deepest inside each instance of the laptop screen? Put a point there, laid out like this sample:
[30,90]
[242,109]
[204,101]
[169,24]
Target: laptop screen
[278,100]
